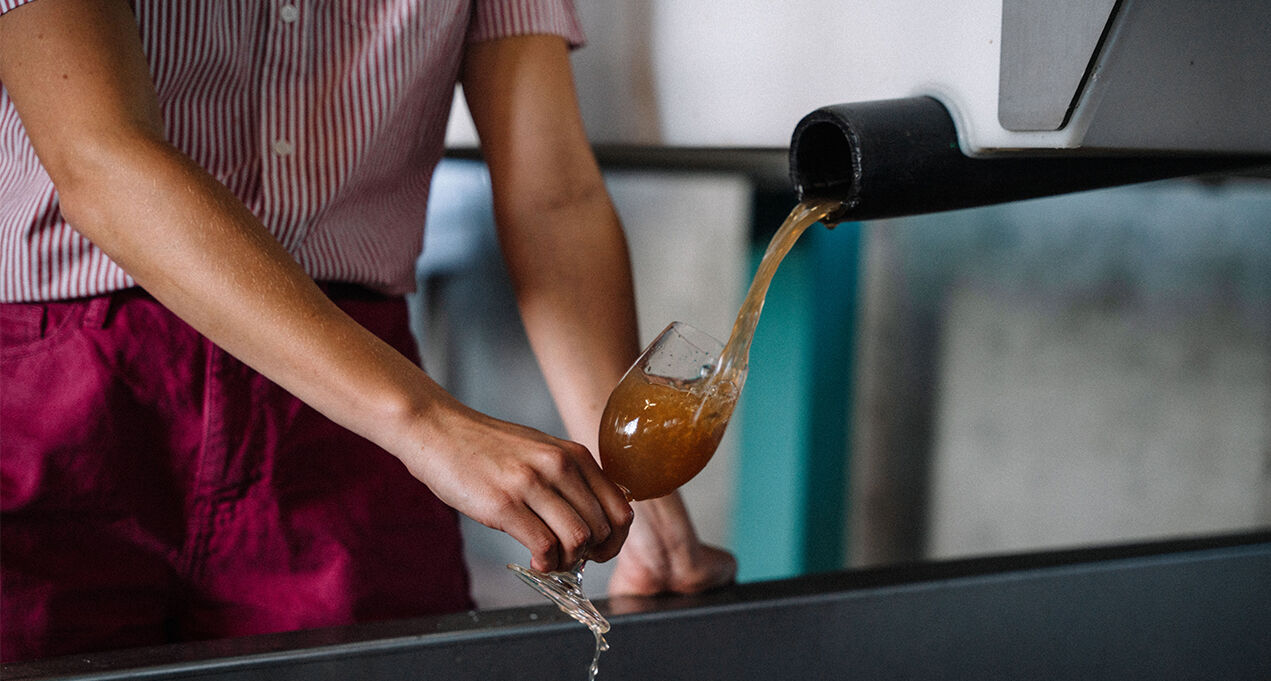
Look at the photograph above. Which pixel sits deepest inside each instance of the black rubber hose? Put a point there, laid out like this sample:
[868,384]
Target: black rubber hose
[896,157]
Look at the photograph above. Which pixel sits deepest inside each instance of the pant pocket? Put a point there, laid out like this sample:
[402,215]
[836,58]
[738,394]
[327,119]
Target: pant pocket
[28,328]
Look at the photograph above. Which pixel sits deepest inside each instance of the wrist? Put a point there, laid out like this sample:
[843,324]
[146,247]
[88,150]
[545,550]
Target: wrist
[404,412]
[665,527]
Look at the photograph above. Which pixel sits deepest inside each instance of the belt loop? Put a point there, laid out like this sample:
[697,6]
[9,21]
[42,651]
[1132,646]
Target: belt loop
[97,310]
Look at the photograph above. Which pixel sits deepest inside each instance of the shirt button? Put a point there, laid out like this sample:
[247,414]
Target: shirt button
[288,13]
[283,147]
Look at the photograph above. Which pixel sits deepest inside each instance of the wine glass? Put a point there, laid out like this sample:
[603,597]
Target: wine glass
[664,420]
[660,427]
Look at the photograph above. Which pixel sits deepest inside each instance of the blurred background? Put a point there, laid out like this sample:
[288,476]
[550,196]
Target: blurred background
[1085,369]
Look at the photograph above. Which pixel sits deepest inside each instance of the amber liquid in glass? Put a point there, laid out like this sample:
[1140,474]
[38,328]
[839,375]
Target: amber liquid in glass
[656,436]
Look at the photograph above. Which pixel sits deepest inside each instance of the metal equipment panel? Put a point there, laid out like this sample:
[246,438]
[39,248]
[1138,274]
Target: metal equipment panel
[1183,610]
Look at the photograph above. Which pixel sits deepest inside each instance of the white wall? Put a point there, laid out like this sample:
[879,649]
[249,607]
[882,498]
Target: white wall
[741,73]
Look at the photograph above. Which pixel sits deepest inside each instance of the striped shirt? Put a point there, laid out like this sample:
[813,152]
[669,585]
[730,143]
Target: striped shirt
[325,117]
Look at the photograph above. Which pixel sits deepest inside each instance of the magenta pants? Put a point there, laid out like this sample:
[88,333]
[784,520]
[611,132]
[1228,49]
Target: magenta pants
[154,489]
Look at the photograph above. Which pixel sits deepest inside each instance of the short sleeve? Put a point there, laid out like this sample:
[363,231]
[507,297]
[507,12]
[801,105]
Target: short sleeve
[503,18]
[6,5]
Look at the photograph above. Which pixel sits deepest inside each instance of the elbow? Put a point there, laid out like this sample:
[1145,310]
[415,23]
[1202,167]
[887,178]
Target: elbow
[92,174]
[567,196]
[557,201]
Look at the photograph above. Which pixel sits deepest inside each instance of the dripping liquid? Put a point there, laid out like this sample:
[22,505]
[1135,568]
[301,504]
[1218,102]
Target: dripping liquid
[565,589]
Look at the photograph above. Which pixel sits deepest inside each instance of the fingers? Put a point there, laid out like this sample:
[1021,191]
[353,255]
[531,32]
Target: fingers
[597,501]
[616,508]
[574,524]
[548,494]
[524,525]
[716,568]
[586,513]
[708,568]
[558,504]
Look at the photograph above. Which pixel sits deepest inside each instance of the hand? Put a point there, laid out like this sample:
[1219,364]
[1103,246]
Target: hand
[545,492]
[663,554]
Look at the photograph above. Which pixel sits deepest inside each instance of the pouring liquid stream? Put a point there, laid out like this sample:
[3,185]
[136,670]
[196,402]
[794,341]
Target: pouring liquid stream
[677,425]
[735,359]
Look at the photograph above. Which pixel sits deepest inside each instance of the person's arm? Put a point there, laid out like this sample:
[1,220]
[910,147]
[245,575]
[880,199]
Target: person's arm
[568,261]
[76,73]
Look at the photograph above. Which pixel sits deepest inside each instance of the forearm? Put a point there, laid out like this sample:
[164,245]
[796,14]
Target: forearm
[76,74]
[560,235]
[198,250]
[569,264]
[572,276]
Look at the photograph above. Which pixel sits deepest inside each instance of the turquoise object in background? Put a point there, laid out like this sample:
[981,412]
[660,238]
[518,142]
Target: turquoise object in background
[795,408]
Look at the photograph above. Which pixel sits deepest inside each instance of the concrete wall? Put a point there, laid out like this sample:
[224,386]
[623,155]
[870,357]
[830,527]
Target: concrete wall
[1075,370]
